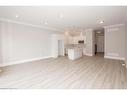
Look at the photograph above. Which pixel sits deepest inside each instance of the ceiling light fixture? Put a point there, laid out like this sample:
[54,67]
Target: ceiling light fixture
[16,15]
[101,22]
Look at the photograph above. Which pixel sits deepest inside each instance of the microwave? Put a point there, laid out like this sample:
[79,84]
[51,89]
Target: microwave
[81,41]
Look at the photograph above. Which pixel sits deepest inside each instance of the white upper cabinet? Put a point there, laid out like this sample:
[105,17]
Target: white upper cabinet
[74,40]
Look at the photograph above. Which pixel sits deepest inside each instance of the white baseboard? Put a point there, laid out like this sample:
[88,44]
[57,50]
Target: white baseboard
[113,57]
[23,61]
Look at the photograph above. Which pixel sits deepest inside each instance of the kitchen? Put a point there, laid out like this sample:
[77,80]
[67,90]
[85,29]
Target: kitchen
[75,44]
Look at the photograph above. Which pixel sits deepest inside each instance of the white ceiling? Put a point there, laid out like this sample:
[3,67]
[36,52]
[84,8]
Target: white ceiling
[63,17]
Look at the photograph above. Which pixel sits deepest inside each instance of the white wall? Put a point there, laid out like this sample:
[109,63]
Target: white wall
[115,42]
[0,45]
[126,45]
[21,42]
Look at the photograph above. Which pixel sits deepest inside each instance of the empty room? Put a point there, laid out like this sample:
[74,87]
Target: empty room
[63,47]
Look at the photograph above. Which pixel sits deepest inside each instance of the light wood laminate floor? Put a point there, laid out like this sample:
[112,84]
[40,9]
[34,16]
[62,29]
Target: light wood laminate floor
[87,72]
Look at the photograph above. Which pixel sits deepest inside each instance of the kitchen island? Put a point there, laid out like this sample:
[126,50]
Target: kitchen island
[75,53]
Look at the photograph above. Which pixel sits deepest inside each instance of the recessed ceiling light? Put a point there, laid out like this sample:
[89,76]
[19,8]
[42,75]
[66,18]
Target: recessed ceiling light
[16,15]
[101,22]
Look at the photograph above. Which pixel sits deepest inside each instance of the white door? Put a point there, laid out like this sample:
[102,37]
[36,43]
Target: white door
[100,43]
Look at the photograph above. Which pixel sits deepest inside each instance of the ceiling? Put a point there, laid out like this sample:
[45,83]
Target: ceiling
[64,17]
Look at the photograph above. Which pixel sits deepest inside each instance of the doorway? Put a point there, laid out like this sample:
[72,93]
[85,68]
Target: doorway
[60,48]
[99,42]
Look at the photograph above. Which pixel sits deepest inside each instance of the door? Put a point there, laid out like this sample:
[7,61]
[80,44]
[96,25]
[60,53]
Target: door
[100,43]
